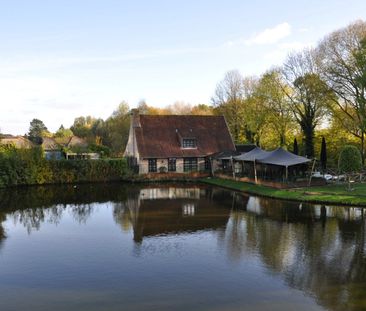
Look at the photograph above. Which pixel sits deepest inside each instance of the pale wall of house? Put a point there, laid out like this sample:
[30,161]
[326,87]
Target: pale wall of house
[131,147]
[179,165]
[144,165]
[201,164]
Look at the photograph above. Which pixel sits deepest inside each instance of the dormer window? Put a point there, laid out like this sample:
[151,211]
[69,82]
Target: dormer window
[189,143]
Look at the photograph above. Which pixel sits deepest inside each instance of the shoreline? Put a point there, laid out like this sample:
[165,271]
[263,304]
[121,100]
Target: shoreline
[313,195]
[329,194]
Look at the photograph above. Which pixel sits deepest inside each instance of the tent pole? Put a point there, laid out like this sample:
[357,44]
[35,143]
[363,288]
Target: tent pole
[212,168]
[311,173]
[286,173]
[255,172]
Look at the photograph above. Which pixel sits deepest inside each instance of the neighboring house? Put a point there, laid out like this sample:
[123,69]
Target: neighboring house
[52,150]
[19,142]
[78,149]
[176,143]
[71,148]
[77,142]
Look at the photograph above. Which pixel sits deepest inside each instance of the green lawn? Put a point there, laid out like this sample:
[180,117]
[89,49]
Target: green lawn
[330,194]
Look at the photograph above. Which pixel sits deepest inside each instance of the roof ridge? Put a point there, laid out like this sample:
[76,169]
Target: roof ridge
[180,115]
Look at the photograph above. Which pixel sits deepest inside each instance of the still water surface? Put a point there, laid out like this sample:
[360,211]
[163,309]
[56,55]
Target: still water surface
[176,247]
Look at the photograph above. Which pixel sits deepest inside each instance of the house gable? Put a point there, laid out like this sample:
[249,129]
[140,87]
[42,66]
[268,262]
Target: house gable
[177,136]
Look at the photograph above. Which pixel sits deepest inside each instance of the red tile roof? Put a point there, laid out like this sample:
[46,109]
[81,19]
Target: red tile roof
[160,135]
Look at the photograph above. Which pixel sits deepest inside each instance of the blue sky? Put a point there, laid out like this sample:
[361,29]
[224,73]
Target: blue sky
[63,59]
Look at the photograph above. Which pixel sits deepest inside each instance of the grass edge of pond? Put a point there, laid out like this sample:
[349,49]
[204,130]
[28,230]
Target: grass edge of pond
[329,194]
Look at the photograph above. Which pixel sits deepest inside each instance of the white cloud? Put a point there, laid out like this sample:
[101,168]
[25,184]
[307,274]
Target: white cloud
[265,37]
[270,35]
[279,54]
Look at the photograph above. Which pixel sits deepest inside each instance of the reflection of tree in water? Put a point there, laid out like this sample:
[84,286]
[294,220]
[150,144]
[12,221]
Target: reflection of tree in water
[126,213]
[81,212]
[32,218]
[32,206]
[2,231]
[322,257]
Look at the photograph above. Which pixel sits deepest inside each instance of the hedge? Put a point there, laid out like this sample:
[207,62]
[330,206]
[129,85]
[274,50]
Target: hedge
[29,167]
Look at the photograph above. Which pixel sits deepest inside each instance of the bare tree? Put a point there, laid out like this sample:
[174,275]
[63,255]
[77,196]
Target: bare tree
[343,66]
[229,100]
[180,108]
[307,93]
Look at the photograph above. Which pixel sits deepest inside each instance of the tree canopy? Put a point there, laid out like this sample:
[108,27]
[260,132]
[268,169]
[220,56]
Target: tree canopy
[37,130]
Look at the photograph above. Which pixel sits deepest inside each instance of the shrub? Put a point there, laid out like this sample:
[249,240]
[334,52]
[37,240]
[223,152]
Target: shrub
[29,167]
[350,161]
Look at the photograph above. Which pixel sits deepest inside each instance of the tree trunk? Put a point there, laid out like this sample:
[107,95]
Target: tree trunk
[282,140]
[308,131]
[349,183]
[363,147]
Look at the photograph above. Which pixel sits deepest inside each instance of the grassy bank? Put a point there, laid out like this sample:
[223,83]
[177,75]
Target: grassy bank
[330,194]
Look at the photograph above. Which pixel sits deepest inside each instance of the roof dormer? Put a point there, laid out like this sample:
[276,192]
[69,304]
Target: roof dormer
[189,143]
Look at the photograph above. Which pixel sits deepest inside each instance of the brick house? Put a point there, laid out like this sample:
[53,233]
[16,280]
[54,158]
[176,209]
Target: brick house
[176,143]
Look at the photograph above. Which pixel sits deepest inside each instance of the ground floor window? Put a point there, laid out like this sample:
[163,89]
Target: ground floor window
[153,166]
[172,164]
[225,165]
[207,164]
[190,164]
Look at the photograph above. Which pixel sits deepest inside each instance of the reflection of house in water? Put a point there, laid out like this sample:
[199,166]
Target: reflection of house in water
[188,209]
[172,210]
[170,193]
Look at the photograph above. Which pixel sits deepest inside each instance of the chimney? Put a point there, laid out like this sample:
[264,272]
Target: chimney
[135,118]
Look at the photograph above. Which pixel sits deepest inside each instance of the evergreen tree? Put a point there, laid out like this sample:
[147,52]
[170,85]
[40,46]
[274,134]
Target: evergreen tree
[296,148]
[323,155]
[37,129]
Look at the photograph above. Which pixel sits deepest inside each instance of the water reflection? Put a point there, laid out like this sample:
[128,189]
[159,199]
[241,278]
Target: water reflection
[171,210]
[317,249]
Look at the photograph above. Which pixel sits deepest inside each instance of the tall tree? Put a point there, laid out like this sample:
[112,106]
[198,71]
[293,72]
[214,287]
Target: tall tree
[343,63]
[229,101]
[202,109]
[308,94]
[323,155]
[63,132]
[257,112]
[275,104]
[180,108]
[82,126]
[117,126]
[37,129]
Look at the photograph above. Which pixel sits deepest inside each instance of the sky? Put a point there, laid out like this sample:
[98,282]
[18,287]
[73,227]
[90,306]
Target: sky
[64,59]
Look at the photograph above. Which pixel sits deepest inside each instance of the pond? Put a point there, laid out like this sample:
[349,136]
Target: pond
[176,247]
